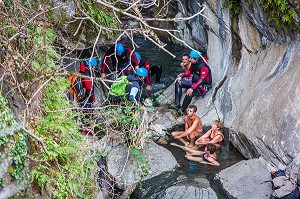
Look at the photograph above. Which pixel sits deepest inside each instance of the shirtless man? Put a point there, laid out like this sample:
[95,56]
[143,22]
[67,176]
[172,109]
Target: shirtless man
[185,64]
[193,127]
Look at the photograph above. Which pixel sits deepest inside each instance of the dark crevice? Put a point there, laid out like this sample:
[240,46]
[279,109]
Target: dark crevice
[236,42]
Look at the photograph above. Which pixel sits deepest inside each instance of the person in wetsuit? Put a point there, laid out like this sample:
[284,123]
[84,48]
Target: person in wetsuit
[213,135]
[208,156]
[120,56]
[199,84]
[153,70]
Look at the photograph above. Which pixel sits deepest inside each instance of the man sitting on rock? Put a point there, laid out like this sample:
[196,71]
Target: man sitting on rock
[193,127]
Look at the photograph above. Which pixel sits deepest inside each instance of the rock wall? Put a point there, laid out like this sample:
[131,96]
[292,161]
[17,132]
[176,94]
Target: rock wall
[255,85]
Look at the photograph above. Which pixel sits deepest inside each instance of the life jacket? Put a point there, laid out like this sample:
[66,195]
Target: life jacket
[76,87]
[118,89]
[122,59]
[196,68]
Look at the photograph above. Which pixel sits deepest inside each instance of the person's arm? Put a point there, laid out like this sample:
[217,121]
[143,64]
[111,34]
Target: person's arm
[133,56]
[148,78]
[217,138]
[206,135]
[204,72]
[89,97]
[212,162]
[187,73]
[186,126]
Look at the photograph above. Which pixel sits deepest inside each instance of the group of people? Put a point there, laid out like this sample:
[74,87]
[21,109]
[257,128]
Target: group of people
[120,60]
[193,138]
[196,79]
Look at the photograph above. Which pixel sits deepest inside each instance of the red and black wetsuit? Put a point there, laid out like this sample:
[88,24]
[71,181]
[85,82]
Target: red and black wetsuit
[88,85]
[200,80]
[119,61]
[153,70]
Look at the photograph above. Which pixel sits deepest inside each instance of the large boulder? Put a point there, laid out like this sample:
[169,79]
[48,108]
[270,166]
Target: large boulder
[247,179]
[125,169]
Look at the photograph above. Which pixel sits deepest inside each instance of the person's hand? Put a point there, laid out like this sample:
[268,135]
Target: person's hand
[178,79]
[137,67]
[189,92]
[103,75]
[95,104]
[148,87]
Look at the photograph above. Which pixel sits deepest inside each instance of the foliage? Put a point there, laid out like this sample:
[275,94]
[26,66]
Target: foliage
[141,158]
[281,13]
[6,116]
[233,5]
[15,139]
[100,15]
[44,55]
[65,168]
[19,153]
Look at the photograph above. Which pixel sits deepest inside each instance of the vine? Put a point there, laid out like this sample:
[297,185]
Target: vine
[234,5]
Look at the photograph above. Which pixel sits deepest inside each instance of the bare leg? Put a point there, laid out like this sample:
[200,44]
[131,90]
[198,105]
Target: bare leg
[195,159]
[192,143]
[188,150]
[177,133]
[196,147]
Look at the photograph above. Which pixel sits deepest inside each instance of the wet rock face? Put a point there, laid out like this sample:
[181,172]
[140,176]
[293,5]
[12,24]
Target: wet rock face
[191,31]
[257,92]
[246,179]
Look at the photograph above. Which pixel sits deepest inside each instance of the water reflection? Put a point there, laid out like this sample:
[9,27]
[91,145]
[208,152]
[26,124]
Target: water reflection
[155,56]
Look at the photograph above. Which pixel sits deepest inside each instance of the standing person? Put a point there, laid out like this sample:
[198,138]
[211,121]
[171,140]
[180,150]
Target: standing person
[208,156]
[199,85]
[120,55]
[134,89]
[213,135]
[193,127]
[153,70]
[89,100]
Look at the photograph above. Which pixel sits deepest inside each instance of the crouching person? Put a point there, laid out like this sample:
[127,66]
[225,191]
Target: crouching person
[134,88]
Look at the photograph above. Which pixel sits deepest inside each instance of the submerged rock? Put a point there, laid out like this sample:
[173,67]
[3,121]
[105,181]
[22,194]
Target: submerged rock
[247,179]
[189,192]
[198,190]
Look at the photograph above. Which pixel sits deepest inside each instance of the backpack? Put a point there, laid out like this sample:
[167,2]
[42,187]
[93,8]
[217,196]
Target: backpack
[118,89]
[76,88]
[277,173]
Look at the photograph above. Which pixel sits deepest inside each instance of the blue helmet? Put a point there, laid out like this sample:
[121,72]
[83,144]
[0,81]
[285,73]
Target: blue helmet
[195,54]
[142,72]
[138,56]
[119,48]
[91,62]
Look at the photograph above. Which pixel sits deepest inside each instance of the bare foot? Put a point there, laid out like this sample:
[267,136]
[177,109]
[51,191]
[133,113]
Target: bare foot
[186,144]
[187,155]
